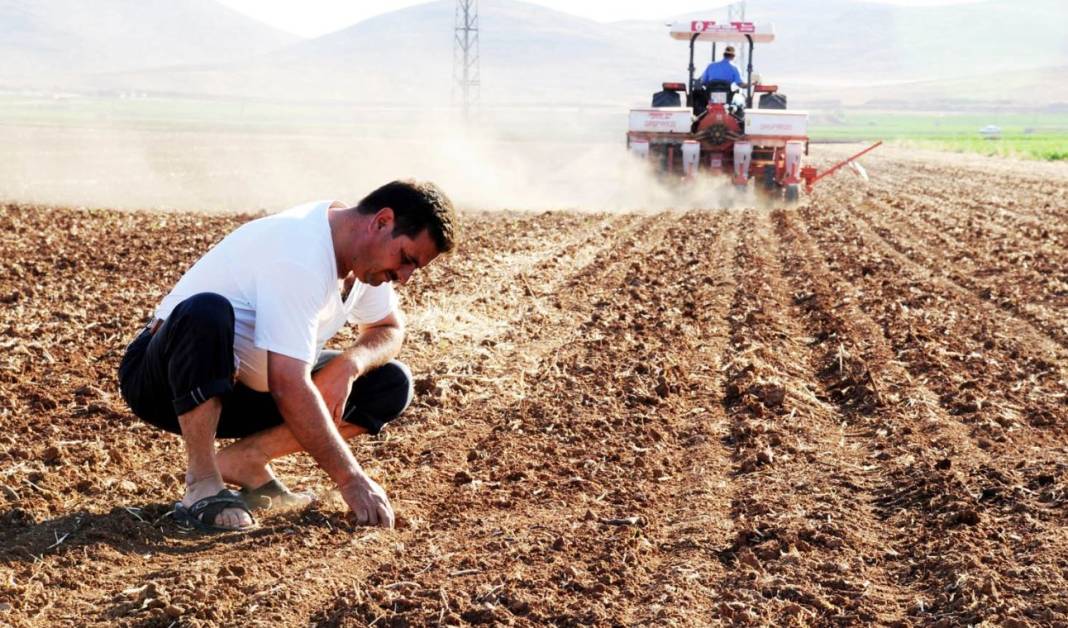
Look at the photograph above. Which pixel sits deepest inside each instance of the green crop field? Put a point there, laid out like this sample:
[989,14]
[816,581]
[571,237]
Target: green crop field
[1027,135]
[1052,147]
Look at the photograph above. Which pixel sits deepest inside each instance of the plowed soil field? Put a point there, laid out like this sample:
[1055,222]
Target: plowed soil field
[850,411]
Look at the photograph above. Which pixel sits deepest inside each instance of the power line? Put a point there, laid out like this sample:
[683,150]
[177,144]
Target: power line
[736,13]
[465,71]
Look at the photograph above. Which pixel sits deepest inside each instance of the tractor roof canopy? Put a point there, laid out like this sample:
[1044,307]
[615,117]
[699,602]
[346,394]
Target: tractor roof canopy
[710,30]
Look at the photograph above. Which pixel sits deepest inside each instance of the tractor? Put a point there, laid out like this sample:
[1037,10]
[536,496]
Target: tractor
[718,131]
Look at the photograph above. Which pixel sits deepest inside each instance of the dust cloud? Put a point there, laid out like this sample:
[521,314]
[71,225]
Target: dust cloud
[251,170]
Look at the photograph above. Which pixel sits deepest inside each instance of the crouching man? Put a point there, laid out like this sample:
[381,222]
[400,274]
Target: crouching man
[236,350]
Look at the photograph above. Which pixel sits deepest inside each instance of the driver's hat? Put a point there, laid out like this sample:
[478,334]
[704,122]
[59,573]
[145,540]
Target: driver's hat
[729,50]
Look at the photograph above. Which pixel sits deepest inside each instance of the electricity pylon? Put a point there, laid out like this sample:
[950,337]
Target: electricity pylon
[465,72]
[736,13]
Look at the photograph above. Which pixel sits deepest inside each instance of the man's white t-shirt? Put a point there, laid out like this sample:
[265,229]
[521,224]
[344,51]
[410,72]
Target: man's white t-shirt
[280,274]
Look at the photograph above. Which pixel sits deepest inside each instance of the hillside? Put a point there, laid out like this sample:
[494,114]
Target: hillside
[870,42]
[42,40]
[529,54]
[848,50]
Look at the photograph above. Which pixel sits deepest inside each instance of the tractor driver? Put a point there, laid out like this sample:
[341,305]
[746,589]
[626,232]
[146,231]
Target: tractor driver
[724,70]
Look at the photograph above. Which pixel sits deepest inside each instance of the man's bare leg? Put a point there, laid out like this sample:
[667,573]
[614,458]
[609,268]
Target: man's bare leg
[247,462]
[202,477]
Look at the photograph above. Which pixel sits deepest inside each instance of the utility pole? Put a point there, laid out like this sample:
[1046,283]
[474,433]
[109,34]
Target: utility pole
[465,73]
[736,13]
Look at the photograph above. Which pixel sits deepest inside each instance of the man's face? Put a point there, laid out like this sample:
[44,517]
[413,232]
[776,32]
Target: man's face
[388,258]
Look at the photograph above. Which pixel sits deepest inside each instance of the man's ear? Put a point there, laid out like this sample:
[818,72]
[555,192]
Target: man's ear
[384,219]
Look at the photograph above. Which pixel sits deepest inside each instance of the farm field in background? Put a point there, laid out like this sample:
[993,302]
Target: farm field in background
[1042,136]
[851,411]
[1041,147]
[381,120]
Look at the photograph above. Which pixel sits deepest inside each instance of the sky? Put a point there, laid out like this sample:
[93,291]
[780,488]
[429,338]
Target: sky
[311,18]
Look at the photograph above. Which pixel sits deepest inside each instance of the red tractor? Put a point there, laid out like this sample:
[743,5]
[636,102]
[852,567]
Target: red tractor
[718,131]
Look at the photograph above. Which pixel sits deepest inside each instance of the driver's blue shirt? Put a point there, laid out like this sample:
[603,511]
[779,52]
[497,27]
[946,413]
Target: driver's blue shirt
[721,71]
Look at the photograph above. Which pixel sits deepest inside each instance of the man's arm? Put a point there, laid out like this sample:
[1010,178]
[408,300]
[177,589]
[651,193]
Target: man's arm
[376,344]
[738,78]
[307,417]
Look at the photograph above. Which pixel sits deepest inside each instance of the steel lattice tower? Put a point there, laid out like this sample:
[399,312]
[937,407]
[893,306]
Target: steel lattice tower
[736,13]
[465,71]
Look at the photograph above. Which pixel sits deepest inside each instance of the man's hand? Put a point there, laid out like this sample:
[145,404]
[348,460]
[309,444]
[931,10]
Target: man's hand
[334,382]
[368,502]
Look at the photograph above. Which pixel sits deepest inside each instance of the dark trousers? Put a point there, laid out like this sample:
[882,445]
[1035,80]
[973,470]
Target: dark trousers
[190,359]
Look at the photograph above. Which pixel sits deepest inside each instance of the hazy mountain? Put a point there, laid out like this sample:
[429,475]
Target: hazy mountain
[869,42]
[40,39]
[530,54]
